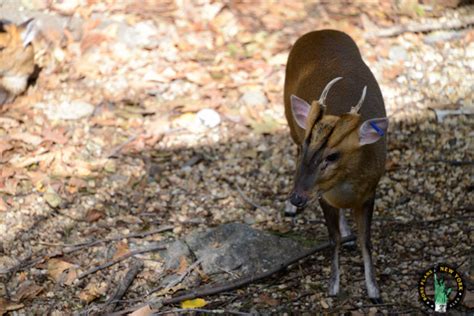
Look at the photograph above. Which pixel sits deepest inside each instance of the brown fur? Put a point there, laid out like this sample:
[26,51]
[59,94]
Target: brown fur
[317,58]
[350,180]
[16,61]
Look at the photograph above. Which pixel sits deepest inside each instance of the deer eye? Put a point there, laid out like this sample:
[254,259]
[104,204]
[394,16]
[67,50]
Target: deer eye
[333,157]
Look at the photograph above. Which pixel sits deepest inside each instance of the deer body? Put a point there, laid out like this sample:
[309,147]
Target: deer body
[16,58]
[341,148]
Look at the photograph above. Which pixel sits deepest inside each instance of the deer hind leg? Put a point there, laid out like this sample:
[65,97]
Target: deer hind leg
[331,215]
[363,217]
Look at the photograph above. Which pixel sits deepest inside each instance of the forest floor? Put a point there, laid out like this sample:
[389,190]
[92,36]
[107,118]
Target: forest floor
[111,140]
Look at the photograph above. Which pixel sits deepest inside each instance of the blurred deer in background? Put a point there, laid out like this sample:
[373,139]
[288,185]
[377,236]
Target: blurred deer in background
[16,58]
[341,148]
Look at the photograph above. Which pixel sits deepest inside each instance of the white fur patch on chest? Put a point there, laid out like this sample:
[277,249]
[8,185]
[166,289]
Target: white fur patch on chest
[14,84]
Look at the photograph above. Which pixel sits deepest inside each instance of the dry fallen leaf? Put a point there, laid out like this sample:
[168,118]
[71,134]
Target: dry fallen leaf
[52,198]
[144,311]
[94,215]
[75,184]
[267,126]
[93,291]
[4,146]
[61,271]
[324,304]
[28,138]
[265,298]
[27,290]
[183,265]
[92,39]
[393,72]
[122,249]
[468,300]
[9,186]
[3,205]
[7,306]
[56,136]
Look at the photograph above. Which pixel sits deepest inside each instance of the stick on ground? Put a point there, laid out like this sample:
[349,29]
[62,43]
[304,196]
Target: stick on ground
[222,287]
[426,26]
[136,267]
[248,200]
[121,258]
[27,262]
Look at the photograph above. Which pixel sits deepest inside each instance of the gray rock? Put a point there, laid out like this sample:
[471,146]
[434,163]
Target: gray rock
[174,253]
[44,22]
[254,98]
[72,110]
[442,36]
[142,34]
[398,53]
[240,249]
[209,118]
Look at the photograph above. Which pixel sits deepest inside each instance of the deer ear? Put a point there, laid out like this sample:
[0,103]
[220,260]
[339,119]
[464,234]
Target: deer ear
[28,32]
[300,109]
[372,130]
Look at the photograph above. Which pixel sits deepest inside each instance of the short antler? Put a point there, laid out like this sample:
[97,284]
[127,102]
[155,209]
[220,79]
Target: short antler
[356,109]
[323,96]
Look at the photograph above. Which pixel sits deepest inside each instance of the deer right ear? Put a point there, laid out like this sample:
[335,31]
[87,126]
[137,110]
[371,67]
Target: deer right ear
[372,130]
[300,109]
[28,31]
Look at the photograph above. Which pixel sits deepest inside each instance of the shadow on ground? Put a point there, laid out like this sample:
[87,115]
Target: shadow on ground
[423,214]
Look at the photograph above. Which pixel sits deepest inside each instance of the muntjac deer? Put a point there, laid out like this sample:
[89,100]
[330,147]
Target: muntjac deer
[17,61]
[341,148]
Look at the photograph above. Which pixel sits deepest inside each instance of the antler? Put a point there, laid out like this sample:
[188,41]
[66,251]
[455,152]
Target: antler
[323,96]
[355,109]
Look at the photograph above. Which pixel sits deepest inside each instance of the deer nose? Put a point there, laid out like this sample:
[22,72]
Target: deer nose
[298,200]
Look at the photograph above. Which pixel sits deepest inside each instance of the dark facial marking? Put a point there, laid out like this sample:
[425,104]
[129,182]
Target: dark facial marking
[2,25]
[333,157]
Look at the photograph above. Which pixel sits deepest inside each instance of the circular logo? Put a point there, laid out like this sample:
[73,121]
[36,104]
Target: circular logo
[441,288]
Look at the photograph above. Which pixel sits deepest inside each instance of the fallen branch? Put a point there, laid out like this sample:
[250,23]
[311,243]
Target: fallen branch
[121,258]
[248,200]
[111,304]
[442,114]
[182,276]
[205,311]
[76,247]
[426,26]
[456,163]
[117,149]
[219,288]
[132,235]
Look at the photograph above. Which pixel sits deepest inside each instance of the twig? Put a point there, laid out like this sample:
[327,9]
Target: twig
[426,26]
[76,247]
[113,153]
[218,288]
[117,149]
[132,235]
[248,200]
[455,162]
[182,311]
[111,304]
[121,258]
[182,276]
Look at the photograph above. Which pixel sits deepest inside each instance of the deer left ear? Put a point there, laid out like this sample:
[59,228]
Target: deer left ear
[300,109]
[28,32]
[372,130]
